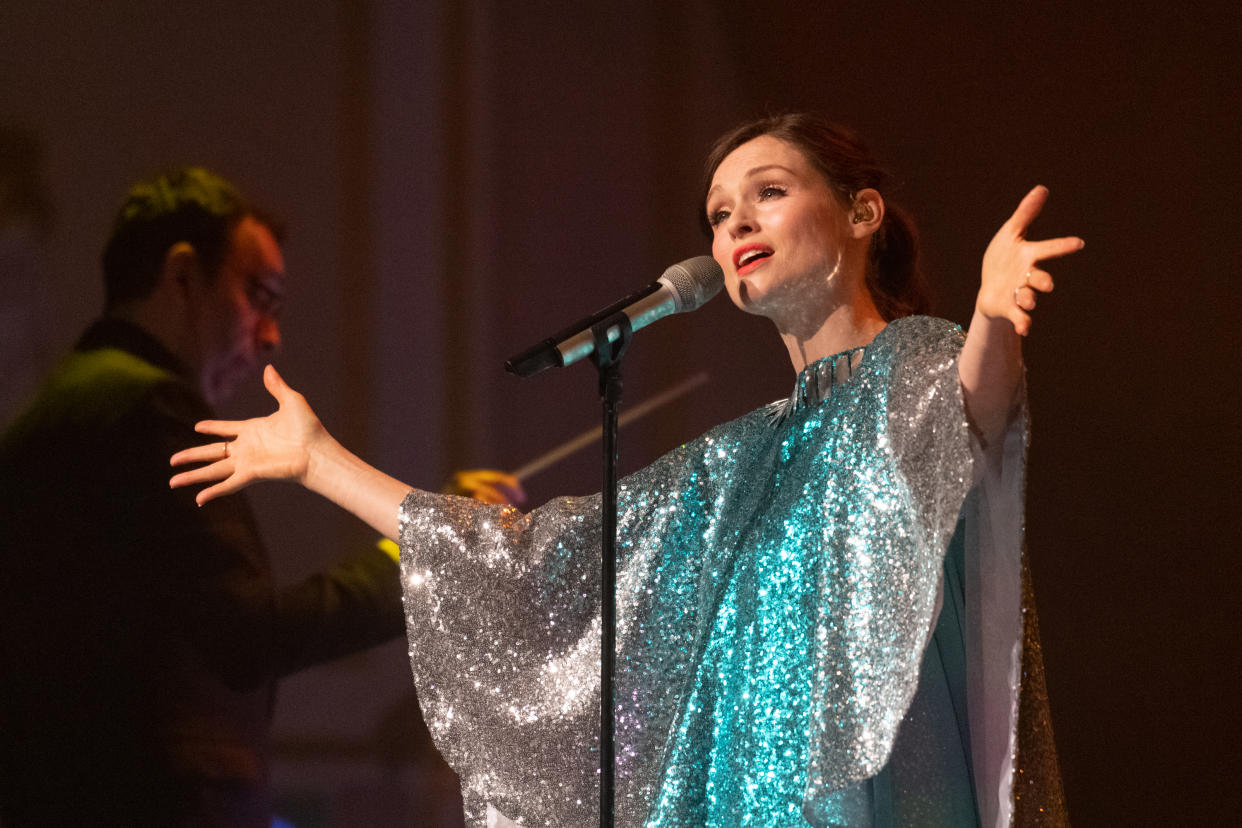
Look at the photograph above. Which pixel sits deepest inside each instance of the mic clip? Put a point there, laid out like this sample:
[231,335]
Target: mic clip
[608,352]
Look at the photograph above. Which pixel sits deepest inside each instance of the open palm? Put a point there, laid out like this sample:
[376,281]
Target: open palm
[275,447]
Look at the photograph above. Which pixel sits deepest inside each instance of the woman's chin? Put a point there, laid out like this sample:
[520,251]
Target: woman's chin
[747,296]
[752,297]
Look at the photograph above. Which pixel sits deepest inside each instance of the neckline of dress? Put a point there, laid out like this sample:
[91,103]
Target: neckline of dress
[817,381]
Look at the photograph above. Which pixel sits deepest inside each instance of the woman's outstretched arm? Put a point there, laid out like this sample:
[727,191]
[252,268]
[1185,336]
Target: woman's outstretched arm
[290,444]
[990,367]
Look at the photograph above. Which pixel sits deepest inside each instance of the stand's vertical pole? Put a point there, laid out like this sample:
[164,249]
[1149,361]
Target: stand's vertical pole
[610,381]
[607,358]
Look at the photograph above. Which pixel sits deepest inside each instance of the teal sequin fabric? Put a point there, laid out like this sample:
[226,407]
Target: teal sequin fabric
[779,579]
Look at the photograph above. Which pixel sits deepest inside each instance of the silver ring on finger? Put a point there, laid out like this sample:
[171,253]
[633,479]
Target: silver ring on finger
[1026,283]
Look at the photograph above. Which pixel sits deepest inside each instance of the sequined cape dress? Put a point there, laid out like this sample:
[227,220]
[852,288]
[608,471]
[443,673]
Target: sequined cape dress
[779,580]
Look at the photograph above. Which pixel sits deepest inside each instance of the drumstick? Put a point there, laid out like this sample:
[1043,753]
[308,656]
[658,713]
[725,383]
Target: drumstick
[587,437]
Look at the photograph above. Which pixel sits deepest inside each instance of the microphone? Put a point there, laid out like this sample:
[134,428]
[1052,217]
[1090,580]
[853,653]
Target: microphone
[686,286]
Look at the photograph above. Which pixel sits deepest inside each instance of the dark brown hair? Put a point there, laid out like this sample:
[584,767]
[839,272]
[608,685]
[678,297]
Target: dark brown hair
[894,279]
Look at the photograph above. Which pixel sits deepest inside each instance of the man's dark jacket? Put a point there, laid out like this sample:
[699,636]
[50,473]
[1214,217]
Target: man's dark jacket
[141,636]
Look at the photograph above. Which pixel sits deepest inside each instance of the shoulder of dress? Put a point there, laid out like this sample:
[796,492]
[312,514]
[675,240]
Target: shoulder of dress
[921,332]
[918,327]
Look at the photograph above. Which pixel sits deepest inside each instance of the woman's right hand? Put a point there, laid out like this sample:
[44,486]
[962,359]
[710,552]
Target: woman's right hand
[280,446]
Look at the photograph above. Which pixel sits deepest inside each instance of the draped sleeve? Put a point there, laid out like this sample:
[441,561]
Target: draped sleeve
[504,643]
[502,612]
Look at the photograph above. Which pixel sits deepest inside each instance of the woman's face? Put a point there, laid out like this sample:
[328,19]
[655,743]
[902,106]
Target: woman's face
[779,231]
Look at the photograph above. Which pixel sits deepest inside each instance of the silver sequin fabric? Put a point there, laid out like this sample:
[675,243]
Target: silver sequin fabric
[778,582]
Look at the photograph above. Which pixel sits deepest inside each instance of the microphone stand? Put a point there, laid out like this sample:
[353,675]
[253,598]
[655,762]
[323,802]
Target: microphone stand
[607,359]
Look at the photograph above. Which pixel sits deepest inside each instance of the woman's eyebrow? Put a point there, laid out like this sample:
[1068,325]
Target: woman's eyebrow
[753,171]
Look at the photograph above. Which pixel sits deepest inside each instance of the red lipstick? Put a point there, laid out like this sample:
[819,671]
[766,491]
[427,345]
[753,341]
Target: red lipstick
[747,257]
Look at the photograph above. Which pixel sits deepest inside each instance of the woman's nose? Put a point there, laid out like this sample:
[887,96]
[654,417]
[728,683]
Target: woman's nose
[740,224]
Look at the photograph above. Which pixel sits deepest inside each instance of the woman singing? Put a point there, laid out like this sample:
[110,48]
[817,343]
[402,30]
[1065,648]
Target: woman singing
[822,613]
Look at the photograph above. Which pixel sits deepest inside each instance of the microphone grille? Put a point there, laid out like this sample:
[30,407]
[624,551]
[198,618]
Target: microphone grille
[694,281]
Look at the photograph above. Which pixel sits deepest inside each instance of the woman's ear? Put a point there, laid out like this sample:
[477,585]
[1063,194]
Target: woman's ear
[866,213]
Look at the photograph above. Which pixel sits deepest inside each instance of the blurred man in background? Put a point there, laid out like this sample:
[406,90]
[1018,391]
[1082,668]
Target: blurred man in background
[141,636]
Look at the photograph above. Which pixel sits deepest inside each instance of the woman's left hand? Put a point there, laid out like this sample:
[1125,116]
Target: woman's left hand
[1011,274]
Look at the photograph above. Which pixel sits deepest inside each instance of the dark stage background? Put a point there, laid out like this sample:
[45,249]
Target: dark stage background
[462,178]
